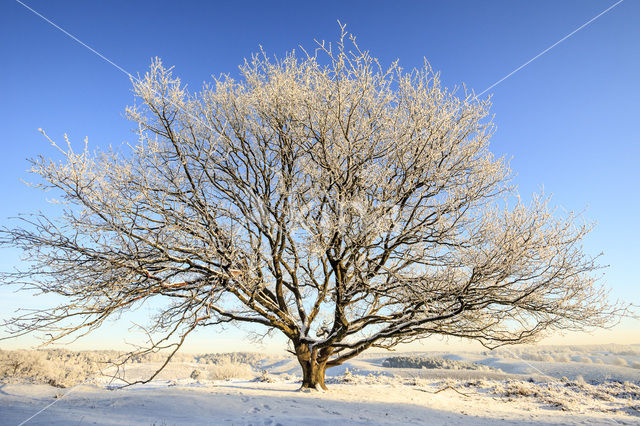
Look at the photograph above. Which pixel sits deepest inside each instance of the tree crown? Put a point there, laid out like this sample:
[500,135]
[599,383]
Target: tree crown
[342,203]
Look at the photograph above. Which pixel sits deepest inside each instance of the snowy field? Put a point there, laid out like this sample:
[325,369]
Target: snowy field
[533,385]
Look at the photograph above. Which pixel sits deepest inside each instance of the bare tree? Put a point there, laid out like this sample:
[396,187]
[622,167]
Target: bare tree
[342,203]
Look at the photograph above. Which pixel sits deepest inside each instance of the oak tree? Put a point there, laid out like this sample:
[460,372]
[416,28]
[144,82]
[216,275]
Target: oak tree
[344,204]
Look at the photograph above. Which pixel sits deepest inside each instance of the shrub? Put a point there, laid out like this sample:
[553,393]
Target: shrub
[229,370]
[432,363]
[562,357]
[264,377]
[55,367]
[620,361]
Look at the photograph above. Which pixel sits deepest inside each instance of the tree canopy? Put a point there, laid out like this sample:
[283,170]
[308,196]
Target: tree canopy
[344,204]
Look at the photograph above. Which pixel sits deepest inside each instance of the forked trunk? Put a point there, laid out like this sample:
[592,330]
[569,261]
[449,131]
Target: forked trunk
[313,375]
[313,368]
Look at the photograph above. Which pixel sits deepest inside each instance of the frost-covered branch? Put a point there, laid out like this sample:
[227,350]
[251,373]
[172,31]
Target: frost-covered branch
[345,204]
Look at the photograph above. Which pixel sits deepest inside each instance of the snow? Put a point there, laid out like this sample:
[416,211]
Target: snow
[361,392]
[245,402]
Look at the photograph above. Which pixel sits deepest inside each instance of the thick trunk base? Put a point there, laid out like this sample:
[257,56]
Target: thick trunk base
[313,377]
[313,369]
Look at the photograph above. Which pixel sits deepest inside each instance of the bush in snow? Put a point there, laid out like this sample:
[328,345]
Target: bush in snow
[563,357]
[229,370]
[348,376]
[432,363]
[582,359]
[265,377]
[56,367]
[252,359]
[620,361]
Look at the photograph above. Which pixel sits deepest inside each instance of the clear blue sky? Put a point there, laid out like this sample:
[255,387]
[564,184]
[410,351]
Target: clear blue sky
[569,120]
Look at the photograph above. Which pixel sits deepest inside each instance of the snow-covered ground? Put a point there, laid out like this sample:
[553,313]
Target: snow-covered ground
[538,385]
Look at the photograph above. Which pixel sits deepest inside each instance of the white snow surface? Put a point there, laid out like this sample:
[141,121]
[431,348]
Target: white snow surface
[530,387]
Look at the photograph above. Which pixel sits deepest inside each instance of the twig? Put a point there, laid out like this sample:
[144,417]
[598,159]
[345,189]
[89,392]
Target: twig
[443,389]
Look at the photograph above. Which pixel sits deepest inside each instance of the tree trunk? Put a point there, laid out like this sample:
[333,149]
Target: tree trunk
[313,368]
[313,375]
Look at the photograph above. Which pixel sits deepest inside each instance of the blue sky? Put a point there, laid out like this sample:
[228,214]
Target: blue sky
[568,121]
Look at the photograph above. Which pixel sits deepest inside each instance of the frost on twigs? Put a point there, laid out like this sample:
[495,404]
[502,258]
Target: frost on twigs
[58,368]
[572,395]
[229,370]
[431,362]
[345,204]
[348,377]
[265,377]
